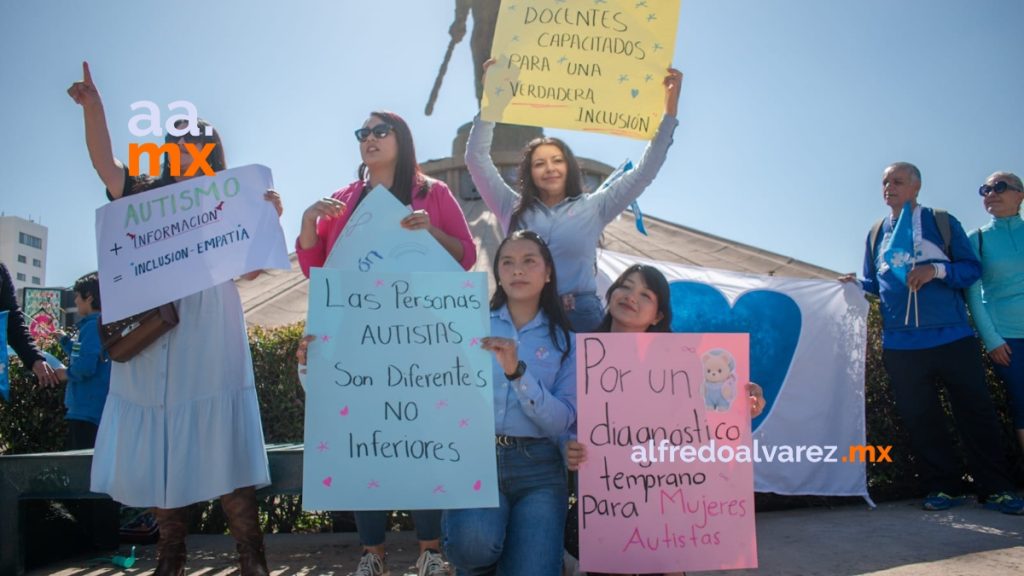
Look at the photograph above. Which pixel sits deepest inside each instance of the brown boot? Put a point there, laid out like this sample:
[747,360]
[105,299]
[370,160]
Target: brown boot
[170,549]
[244,523]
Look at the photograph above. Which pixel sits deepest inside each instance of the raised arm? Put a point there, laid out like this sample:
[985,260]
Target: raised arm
[97,138]
[497,194]
[617,197]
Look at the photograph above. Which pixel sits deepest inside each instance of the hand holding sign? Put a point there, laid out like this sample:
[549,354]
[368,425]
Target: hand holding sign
[274,198]
[673,84]
[418,220]
[575,454]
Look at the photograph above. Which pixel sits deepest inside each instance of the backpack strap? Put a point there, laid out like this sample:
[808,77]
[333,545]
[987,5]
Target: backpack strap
[873,237]
[942,221]
[981,242]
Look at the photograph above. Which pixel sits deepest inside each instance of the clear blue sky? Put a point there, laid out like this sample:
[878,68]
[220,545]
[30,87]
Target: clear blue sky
[790,108]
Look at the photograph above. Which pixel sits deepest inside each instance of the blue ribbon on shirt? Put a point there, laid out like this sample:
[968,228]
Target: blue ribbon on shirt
[635,205]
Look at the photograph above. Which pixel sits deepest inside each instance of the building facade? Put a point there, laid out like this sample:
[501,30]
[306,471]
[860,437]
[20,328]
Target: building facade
[23,245]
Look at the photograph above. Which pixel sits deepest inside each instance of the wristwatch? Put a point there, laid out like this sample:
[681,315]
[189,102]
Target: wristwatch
[518,373]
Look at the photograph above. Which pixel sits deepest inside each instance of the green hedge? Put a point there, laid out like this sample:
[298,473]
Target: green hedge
[33,422]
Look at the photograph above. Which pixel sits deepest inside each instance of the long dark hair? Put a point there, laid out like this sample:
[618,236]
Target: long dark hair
[550,303]
[528,193]
[408,176]
[215,159]
[656,282]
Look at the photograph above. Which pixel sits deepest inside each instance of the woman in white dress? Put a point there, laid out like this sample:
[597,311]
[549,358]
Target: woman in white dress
[182,422]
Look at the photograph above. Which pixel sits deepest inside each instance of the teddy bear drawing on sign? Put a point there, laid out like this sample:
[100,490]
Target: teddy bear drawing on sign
[719,379]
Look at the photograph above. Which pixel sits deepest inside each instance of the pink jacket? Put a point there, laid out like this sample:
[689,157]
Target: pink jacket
[445,213]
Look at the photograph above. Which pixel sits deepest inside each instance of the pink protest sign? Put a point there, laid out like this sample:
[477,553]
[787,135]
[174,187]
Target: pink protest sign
[668,482]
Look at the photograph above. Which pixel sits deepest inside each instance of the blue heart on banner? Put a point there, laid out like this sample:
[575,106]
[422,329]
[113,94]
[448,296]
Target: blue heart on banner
[771,318]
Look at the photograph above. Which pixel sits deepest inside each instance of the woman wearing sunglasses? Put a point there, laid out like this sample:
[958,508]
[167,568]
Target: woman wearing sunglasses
[997,299]
[549,199]
[181,423]
[389,160]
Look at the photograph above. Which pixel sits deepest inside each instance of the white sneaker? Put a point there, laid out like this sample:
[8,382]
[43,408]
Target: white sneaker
[371,565]
[431,563]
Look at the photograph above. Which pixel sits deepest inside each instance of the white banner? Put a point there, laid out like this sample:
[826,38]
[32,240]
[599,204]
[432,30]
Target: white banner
[807,350]
[176,240]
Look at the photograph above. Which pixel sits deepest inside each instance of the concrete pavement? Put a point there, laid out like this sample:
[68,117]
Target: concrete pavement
[896,539]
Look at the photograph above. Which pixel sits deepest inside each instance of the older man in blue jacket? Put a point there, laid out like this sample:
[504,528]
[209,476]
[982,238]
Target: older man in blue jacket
[927,336]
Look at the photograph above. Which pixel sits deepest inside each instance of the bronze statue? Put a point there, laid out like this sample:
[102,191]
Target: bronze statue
[485,19]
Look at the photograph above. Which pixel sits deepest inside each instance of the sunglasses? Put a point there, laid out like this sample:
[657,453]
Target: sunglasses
[188,137]
[999,188]
[379,131]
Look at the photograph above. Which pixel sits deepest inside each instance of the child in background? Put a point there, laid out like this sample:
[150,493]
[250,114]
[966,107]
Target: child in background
[88,381]
[88,371]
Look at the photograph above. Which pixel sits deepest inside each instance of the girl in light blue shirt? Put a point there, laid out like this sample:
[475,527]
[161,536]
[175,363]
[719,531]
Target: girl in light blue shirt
[534,405]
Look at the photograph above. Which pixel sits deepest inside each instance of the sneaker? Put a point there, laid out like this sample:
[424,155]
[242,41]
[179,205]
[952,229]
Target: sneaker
[371,565]
[431,563]
[1006,502]
[937,501]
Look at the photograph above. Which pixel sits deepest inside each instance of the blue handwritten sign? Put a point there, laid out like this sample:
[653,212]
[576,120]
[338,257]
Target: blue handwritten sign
[399,398]
[373,240]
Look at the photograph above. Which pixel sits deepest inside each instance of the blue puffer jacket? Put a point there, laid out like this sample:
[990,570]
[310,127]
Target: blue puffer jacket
[940,303]
[88,372]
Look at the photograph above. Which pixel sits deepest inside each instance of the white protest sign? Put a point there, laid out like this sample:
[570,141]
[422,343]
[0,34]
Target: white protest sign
[176,240]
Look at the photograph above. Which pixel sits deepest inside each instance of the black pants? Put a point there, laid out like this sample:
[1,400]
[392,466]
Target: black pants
[914,375]
[98,518]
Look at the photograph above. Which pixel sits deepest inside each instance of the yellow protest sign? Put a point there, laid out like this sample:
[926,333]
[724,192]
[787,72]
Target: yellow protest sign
[592,65]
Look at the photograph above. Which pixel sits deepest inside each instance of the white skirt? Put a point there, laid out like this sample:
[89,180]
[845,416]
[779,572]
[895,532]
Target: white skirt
[182,421]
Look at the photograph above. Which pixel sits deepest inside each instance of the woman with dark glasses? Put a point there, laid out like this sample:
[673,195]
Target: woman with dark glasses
[997,299]
[549,199]
[181,423]
[389,159]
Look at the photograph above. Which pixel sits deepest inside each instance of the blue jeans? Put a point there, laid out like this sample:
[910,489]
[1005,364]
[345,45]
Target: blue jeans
[587,314]
[1013,377]
[523,535]
[372,525]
